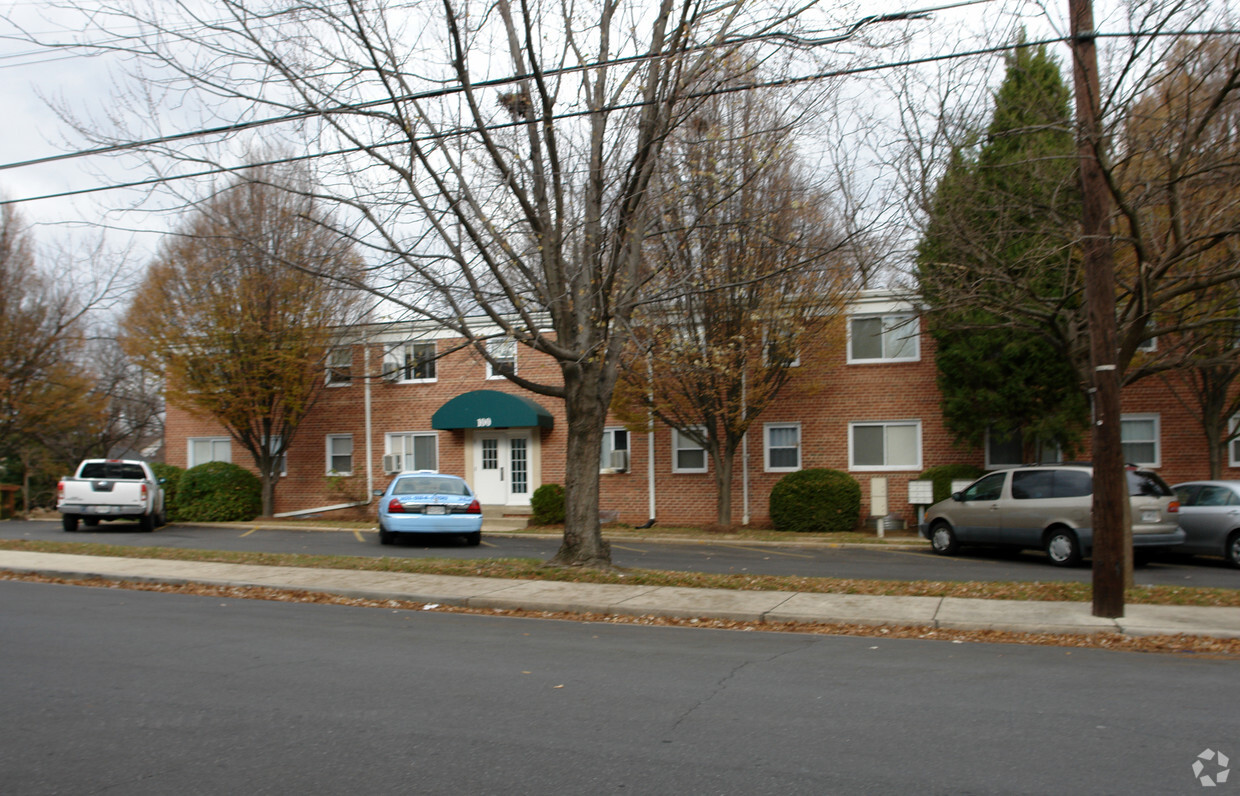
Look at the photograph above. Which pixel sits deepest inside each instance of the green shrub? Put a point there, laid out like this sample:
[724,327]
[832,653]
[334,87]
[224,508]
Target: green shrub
[171,476]
[219,492]
[548,505]
[816,501]
[944,474]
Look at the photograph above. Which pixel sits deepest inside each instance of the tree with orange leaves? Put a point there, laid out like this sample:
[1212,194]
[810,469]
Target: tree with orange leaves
[239,309]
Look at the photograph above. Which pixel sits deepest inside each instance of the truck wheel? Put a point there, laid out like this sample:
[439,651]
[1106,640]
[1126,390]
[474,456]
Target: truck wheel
[146,523]
[69,522]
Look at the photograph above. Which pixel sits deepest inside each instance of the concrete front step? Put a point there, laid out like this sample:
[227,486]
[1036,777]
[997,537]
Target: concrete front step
[505,518]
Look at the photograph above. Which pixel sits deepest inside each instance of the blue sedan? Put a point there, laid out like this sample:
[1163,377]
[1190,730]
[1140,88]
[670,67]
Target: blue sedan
[430,503]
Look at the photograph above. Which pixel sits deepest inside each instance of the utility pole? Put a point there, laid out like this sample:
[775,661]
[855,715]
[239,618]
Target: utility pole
[1112,545]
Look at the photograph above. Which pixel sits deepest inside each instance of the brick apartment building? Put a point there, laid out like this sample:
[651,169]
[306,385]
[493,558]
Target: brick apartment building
[871,410]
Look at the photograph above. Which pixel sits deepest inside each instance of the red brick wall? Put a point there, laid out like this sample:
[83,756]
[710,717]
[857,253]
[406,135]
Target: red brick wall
[824,397]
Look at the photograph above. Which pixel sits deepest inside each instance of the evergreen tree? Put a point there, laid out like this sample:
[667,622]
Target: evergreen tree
[997,240]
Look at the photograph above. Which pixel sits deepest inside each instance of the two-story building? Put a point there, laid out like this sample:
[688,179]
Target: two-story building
[408,396]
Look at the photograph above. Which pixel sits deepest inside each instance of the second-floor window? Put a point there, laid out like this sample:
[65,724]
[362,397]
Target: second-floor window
[412,362]
[883,338]
[339,367]
[503,358]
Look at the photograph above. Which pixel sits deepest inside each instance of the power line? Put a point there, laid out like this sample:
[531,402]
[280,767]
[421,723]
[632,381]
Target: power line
[219,170]
[797,41]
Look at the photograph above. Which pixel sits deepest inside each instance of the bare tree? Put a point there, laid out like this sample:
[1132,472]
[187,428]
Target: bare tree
[753,268]
[496,158]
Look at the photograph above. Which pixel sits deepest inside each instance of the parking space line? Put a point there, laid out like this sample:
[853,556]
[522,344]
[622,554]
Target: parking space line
[358,534]
[615,546]
[247,533]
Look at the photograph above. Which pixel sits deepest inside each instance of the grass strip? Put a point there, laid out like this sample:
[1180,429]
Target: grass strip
[533,569]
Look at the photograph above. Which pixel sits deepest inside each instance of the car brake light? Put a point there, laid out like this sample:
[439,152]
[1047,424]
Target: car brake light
[60,491]
[474,508]
[1174,507]
[144,492]
[395,506]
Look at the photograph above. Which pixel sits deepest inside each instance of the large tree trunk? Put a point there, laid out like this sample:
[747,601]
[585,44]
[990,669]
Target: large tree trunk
[588,390]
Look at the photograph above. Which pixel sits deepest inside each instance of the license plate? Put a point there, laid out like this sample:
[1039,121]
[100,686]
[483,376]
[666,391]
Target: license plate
[436,509]
[1150,516]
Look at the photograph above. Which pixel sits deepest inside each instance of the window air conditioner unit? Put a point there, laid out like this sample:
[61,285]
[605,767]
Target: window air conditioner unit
[619,461]
[391,463]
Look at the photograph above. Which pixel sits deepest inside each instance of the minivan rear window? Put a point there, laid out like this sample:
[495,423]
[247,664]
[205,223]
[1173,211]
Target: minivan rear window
[1147,484]
[1042,484]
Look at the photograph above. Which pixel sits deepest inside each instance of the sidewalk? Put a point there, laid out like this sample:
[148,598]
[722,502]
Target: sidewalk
[747,606]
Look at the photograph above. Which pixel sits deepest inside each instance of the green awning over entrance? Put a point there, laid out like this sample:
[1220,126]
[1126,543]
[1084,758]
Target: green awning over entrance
[490,409]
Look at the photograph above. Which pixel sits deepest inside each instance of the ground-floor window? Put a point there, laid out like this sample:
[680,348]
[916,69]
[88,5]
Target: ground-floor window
[783,447]
[208,449]
[1139,438]
[688,456]
[1008,450]
[340,454]
[884,445]
[416,451]
[615,455]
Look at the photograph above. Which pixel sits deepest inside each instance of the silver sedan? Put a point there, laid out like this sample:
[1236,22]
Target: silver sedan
[1210,515]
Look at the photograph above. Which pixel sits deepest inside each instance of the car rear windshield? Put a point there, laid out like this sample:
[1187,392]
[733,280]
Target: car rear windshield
[1147,484]
[430,485]
[112,471]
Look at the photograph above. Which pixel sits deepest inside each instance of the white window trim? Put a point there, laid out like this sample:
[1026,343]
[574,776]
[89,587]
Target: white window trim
[910,321]
[1157,435]
[387,442]
[795,362]
[282,459]
[766,447]
[331,367]
[493,346]
[886,468]
[1232,459]
[676,468]
[609,445]
[328,445]
[189,449]
[404,358]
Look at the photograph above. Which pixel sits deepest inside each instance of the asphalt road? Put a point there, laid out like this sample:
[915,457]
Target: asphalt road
[144,693]
[971,565]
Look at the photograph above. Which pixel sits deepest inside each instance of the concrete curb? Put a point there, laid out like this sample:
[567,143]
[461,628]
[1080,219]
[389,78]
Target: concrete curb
[639,600]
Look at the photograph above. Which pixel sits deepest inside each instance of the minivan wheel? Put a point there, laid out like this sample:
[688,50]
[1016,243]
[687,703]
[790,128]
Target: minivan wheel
[1062,548]
[1232,553]
[943,539]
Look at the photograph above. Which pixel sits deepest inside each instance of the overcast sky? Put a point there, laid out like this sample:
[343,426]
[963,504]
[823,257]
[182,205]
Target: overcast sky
[31,77]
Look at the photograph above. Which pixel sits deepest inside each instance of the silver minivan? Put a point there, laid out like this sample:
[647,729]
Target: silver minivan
[1048,507]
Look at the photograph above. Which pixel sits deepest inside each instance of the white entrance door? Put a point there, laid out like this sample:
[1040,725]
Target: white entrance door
[502,467]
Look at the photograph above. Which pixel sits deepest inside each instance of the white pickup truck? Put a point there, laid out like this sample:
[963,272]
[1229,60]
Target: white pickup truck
[111,489]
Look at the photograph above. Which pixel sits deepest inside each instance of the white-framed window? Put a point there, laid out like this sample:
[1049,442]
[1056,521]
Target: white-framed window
[280,465]
[615,457]
[687,455]
[1008,450]
[340,454]
[783,447]
[418,450]
[778,349]
[503,361]
[1139,438]
[883,338]
[201,450]
[1233,447]
[339,367]
[412,362]
[884,445]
